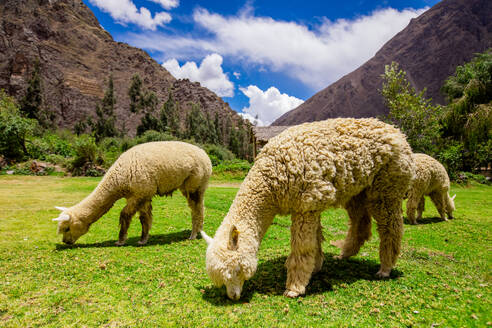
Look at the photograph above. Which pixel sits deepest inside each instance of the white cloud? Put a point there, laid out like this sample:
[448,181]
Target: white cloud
[125,11]
[267,105]
[316,56]
[209,74]
[237,75]
[167,4]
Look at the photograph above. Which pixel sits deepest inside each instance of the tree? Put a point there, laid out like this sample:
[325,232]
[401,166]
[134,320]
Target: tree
[30,104]
[411,111]
[135,94]
[211,131]
[105,123]
[219,131]
[468,118]
[196,125]
[170,110]
[149,103]
[14,129]
[148,122]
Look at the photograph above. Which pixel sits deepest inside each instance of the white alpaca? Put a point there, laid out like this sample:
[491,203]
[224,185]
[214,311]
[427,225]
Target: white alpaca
[363,165]
[154,168]
[431,179]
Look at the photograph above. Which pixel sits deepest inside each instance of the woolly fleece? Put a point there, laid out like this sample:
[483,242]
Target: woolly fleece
[154,168]
[431,179]
[363,165]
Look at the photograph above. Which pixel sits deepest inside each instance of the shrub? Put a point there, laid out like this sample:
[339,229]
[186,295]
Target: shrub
[235,169]
[152,135]
[14,129]
[218,153]
[88,158]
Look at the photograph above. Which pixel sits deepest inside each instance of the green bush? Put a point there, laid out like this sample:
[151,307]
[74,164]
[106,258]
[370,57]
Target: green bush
[235,169]
[88,157]
[452,158]
[218,153]
[14,129]
[152,135]
[467,177]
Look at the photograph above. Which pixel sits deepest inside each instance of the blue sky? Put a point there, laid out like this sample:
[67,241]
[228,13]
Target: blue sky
[263,57]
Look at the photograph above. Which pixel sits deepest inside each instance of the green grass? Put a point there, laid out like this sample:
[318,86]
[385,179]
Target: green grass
[442,278]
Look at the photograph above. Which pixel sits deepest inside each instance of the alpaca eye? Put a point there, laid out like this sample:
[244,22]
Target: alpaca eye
[67,229]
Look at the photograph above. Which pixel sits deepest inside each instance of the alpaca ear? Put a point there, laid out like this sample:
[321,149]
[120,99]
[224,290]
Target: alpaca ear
[452,198]
[63,217]
[62,209]
[233,239]
[208,239]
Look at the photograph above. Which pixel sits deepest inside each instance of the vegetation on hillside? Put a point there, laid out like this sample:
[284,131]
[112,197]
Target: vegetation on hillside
[96,142]
[459,134]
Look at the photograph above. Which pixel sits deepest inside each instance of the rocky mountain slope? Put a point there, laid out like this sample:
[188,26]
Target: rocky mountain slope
[77,56]
[428,49]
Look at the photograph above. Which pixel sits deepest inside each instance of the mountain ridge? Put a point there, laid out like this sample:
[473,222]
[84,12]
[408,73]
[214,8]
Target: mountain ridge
[429,49]
[77,56]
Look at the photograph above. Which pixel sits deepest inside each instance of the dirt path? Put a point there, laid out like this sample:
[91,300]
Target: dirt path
[225,184]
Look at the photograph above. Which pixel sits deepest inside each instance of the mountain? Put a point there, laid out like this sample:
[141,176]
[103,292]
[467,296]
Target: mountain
[77,56]
[429,49]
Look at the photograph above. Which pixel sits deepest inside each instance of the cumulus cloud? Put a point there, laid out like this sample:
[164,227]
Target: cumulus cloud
[167,4]
[316,56]
[266,106]
[125,12]
[209,74]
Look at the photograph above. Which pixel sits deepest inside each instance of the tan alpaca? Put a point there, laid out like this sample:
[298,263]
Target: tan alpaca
[154,168]
[363,165]
[431,179]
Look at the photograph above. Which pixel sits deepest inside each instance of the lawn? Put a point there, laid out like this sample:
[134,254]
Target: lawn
[442,279]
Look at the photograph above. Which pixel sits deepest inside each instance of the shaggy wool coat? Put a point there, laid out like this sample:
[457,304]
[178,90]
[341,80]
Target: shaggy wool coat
[154,168]
[431,179]
[363,165]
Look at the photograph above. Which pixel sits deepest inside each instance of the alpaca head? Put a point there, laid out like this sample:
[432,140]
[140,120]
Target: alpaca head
[227,264]
[69,226]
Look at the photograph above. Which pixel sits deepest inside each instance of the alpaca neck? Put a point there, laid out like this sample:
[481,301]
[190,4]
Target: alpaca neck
[97,203]
[252,214]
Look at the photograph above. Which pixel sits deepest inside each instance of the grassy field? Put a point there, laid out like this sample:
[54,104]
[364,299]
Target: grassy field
[442,279]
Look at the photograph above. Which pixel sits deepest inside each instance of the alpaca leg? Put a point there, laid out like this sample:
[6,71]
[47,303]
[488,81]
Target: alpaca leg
[359,227]
[421,207]
[319,252]
[412,205]
[304,249]
[125,219]
[195,202]
[146,221]
[449,206]
[387,213]
[439,201]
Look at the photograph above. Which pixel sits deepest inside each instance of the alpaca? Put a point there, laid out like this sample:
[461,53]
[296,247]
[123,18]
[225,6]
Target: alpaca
[363,165]
[431,179]
[154,168]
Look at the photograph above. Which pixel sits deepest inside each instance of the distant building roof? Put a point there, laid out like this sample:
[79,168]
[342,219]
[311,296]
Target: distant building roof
[265,133]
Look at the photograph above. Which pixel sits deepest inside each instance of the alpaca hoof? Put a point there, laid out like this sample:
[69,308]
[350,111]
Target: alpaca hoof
[142,242]
[413,222]
[381,274]
[290,294]
[338,257]
[120,243]
[193,236]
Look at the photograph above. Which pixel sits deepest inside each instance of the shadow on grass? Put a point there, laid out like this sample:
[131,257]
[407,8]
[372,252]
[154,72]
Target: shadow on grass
[271,276]
[162,239]
[426,220]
